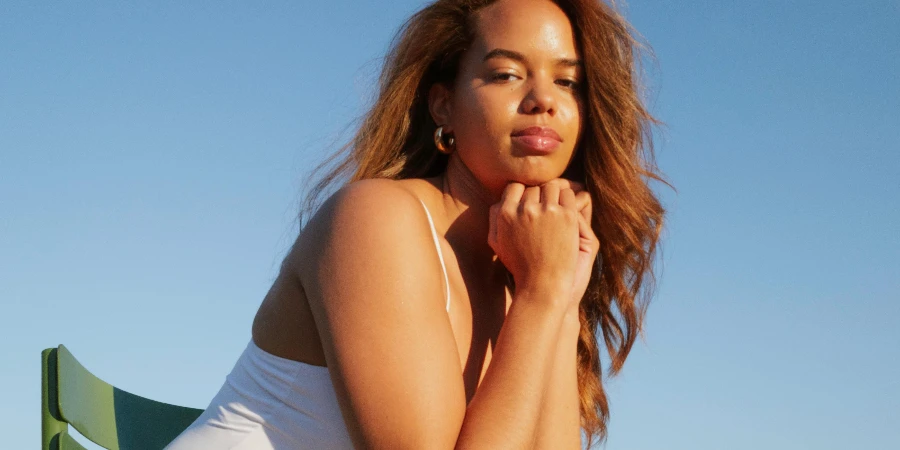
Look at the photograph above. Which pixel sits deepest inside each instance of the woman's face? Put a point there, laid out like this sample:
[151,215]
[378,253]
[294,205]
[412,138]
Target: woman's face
[515,109]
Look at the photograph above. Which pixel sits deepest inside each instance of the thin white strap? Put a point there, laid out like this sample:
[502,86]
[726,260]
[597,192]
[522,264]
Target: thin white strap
[437,244]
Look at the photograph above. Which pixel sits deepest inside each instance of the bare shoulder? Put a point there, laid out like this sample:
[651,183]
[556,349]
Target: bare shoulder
[370,208]
[381,198]
[376,222]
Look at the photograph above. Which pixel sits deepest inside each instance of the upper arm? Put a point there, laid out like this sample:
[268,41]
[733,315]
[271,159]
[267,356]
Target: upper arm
[373,282]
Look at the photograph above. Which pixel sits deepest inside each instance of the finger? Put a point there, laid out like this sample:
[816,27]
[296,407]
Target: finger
[512,194]
[550,193]
[531,195]
[567,199]
[584,205]
[565,183]
[587,240]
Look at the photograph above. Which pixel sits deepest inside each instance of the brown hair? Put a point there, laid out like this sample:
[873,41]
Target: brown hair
[614,160]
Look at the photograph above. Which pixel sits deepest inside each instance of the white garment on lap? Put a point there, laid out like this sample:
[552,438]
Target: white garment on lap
[269,402]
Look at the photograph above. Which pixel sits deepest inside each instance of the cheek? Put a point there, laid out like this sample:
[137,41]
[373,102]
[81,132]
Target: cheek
[571,115]
[485,117]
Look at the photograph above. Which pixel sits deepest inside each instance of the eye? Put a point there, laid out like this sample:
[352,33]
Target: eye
[503,77]
[569,84]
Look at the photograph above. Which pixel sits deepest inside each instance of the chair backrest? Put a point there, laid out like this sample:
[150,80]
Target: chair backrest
[108,416]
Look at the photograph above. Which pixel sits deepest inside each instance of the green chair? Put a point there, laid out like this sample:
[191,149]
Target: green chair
[110,417]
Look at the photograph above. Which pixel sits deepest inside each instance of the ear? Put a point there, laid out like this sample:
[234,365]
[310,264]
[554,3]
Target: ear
[440,105]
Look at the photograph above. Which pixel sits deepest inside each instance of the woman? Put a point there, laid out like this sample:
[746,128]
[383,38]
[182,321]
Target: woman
[497,216]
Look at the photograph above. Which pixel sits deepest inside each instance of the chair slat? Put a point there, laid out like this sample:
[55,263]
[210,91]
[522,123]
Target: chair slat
[86,402]
[149,424]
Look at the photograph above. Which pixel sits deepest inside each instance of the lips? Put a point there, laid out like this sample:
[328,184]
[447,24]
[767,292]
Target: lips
[546,132]
[537,139]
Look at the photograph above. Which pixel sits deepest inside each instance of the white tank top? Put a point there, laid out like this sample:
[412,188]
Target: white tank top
[268,402]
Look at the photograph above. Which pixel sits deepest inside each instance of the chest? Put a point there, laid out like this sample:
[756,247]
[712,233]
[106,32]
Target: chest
[479,301]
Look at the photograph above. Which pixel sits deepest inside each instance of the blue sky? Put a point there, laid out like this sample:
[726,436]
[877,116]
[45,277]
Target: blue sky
[152,159]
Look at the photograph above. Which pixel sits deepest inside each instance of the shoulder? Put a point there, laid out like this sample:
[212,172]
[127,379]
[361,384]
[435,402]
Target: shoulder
[384,195]
[376,215]
[377,196]
[377,203]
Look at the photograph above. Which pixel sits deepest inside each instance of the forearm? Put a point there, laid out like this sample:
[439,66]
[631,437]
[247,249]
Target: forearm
[559,423]
[505,409]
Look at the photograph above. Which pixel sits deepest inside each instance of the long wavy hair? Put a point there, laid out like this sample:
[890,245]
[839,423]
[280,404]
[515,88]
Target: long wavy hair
[614,160]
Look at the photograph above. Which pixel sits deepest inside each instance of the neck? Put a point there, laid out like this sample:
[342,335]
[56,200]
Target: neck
[468,204]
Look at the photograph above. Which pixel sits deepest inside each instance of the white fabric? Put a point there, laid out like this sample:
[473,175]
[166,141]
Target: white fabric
[269,402]
[273,403]
[437,245]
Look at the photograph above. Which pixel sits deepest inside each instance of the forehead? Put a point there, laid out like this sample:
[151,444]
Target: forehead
[532,27]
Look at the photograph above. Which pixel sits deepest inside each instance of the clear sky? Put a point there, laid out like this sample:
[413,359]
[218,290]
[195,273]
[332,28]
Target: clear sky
[152,158]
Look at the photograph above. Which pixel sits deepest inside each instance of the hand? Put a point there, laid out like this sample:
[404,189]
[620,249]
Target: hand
[542,235]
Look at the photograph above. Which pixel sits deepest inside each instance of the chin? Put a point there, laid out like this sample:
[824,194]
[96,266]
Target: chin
[536,178]
[535,171]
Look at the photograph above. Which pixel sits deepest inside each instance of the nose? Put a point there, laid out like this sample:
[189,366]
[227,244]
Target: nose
[540,98]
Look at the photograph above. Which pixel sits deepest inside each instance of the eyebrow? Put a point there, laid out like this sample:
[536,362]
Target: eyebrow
[516,56]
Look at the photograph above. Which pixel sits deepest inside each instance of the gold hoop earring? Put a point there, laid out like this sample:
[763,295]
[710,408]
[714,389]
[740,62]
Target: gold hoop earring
[439,141]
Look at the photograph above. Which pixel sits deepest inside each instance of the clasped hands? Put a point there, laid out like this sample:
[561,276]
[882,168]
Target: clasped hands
[543,236]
